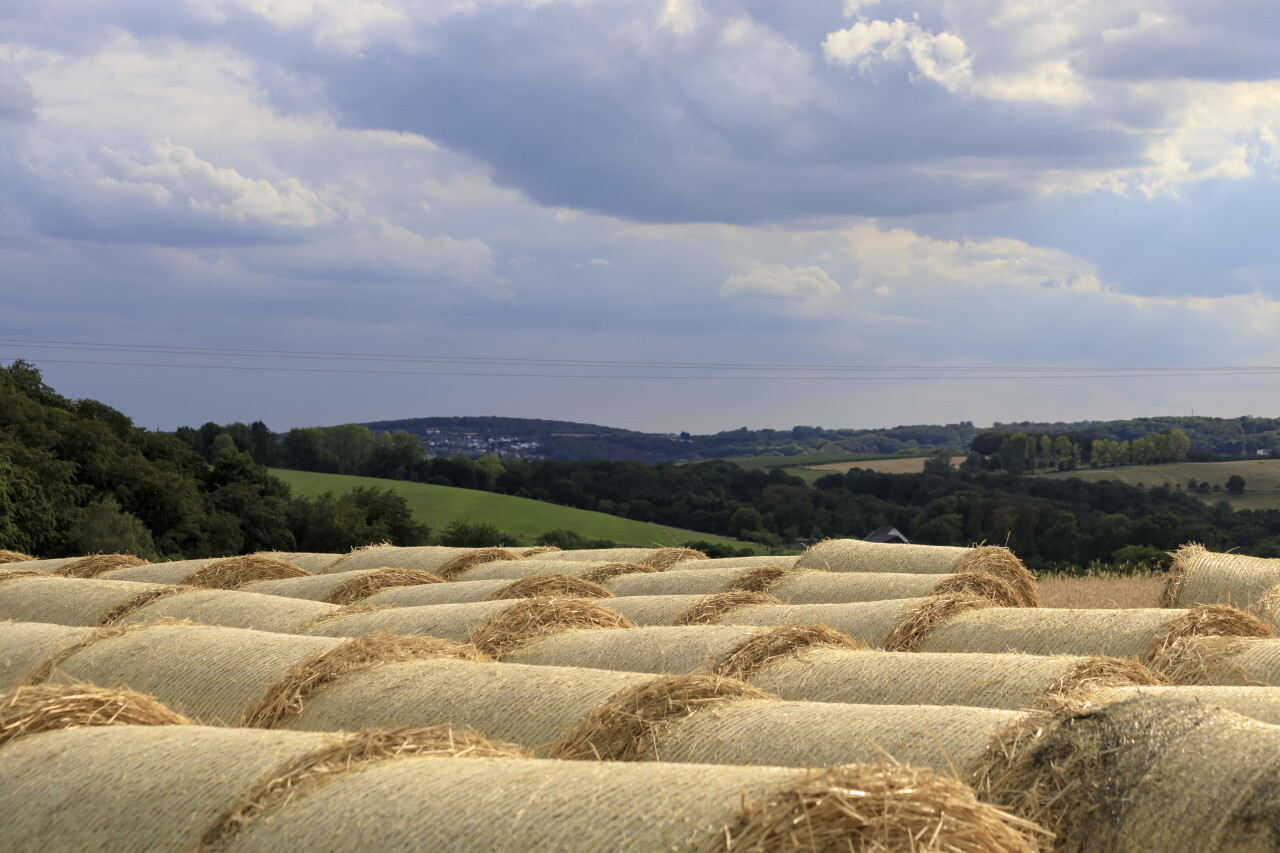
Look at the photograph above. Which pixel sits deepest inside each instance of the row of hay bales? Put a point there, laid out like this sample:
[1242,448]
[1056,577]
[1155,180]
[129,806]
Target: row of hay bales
[179,786]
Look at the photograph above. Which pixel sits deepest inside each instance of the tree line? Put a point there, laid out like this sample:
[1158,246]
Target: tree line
[1020,452]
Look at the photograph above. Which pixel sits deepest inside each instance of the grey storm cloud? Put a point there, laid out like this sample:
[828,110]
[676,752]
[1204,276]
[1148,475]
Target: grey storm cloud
[17,101]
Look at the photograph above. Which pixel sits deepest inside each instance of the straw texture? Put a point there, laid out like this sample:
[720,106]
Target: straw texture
[65,601]
[555,585]
[787,562]
[513,570]
[1141,775]
[96,564]
[760,651]
[447,621]
[286,698]
[677,581]
[211,674]
[1198,576]
[816,587]
[684,609]
[7,556]
[439,560]
[1009,681]
[1259,703]
[342,587]
[868,621]
[175,572]
[312,562]
[1220,661]
[8,574]
[453,592]
[463,805]
[535,706]
[234,609]
[27,648]
[1133,633]
[533,618]
[855,555]
[35,709]
[658,558]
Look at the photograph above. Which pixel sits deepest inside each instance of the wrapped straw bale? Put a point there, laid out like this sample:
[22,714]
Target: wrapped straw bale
[51,565]
[180,787]
[726,650]
[676,581]
[1225,661]
[175,572]
[342,587]
[227,573]
[870,622]
[1132,633]
[517,569]
[97,564]
[535,706]
[312,562]
[783,562]
[33,709]
[1010,681]
[657,558]
[447,621]
[27,648]
[425,804]
[1258,703]
[212,674]
[7,557]
[66,601]
[437,559]
[1198,576]
[463,591]
[703,719]
[813,587]
[1147,775]
[686,609]
[232,609]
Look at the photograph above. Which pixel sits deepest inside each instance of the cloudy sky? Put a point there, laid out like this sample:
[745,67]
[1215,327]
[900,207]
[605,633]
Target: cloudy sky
[668,215]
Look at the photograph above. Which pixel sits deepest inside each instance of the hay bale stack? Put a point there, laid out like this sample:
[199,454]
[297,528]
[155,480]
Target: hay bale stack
[180,787]
[342,587]
[314,563]
[211,674]
[1009,681]
[37,708]
[1198,576]
[1142,775]
[97,564]
[447,806]
[1135,633]
[66,601]
[437,559]
[656,558]
[733,651]
[706,719]
[232,609]
[593,570]
[175,572]
[27,648]
[535,706]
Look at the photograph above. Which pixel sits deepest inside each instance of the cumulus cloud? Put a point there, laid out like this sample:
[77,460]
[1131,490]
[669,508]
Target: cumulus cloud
[779,281]
[17,101]
[938,57]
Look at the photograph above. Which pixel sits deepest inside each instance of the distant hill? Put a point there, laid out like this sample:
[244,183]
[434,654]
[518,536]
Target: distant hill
[530,438]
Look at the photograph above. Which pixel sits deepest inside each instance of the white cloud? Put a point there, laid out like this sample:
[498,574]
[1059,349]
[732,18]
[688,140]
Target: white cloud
[780,281]
[939,57]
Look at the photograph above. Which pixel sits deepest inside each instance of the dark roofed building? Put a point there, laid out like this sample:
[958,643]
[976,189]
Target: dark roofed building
[886,534]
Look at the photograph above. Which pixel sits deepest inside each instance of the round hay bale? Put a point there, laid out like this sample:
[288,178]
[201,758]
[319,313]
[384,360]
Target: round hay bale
[601,555]
[452,592]
[724,650]
[1224,661]
[666,558]
[235,572]
[446,621]
[96,564]
[1134,633]
[457,806]
[7,556]
[176,787]
[234,609]
[549,586]
[540,617]
[175,572]
[437,559]
[627,727]
[211,674]
[784,562]
[120,611]
[815,587]
[670,609]
[1008,681]
[1198,576]
[856,555]
[765,649]
[10,574]
[532,551]
[66,601]
[932,612]
[677,582]
[312,562]
[48,566]
[1267,608]
[30,648]
[37,708]
[342,588]
[513,570]
[535,706]
[286,698]
[1111,776]
[867,621]
[1260,703]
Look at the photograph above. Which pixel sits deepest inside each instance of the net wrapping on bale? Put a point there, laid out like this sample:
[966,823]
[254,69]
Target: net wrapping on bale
[66,601]
[343,588]
[1198,576]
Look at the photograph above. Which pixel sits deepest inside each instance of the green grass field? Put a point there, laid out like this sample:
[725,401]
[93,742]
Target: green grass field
[525,519]
[1261,479]
[808,466]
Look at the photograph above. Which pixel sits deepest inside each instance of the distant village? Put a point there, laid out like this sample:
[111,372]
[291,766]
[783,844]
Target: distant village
[442,442]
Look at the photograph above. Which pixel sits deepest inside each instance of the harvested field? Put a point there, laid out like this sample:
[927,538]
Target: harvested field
[1101,591]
